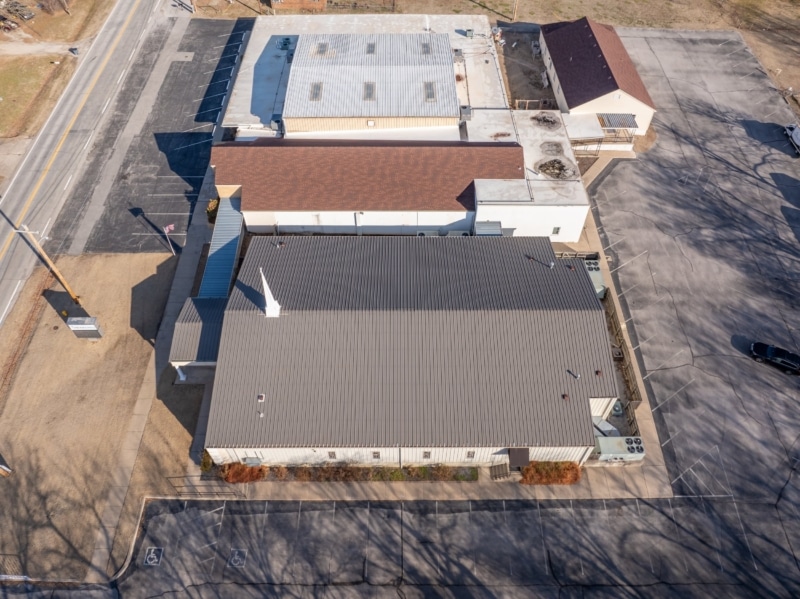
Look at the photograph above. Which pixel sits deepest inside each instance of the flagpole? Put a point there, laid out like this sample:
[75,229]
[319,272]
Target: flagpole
[167,229]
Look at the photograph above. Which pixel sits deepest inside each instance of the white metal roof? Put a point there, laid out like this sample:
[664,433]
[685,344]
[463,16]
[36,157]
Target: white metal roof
[259,88]
[372,75]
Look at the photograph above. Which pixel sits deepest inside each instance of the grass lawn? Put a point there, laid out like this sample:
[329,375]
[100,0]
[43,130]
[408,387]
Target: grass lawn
[30,85]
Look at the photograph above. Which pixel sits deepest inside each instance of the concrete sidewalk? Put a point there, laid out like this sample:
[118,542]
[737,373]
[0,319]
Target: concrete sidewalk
[612,482]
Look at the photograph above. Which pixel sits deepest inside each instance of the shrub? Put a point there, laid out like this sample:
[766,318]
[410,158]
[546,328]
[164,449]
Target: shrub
[302,474]
[551,473]
[280,472]
[397,475]
[466,474]
[441,472]
[211,210]
[419,473]
[240,473]
[206,463]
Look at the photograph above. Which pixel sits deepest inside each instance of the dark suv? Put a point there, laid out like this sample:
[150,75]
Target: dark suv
[783,359]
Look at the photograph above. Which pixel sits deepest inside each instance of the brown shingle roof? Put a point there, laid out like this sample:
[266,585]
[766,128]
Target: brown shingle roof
[591,62]
[312,175]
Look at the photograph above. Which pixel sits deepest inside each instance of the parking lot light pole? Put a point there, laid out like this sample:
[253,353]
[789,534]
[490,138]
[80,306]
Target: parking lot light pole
[43,255]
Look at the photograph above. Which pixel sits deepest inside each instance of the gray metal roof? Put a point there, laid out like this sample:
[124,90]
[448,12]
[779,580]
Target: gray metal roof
[224,251]
[330,72]
[410,341]
[197,330]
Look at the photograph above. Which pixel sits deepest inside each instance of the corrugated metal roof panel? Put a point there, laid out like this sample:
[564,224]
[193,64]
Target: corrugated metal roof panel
[329,73]
[197,330]
[410,341]
[617,121]
[224,250]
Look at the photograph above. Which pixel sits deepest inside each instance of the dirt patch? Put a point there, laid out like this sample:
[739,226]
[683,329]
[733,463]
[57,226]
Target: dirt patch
[523,68]
[163,456]
[85,18]
[644,142]
[585,163]
[68,402]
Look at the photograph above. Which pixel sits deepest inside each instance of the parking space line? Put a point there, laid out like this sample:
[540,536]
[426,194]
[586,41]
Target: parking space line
[674,394]
[629,261]
[641,343]
[159,234]
[209,97]
[676,354]
[220,69]
[703,464]
[575,523]
[213,83]
[196,128]
[205,141]
[744,534]
[203,111]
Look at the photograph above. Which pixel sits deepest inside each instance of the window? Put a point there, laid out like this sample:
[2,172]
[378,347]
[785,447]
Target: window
[556,230]
[376,455]
[369,91]
[426,48]
[426,455]
[315,95]
[370,47]
[430,91]
[331,455]
[322,49]
[470,455]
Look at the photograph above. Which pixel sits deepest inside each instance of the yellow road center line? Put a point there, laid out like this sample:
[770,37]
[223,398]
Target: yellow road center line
[61,141]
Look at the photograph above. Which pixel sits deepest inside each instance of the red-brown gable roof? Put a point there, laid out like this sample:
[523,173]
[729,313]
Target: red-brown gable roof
[311,175]
[591,61]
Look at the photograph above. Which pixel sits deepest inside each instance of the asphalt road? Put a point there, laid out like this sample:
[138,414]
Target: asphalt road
[39,187]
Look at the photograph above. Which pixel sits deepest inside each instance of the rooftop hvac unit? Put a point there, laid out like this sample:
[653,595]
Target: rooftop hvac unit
[458,233]
[465,112]
[427,233]
[470,33]
[458,55]
[619,449]
[284,43]
[593,268]
[276,123]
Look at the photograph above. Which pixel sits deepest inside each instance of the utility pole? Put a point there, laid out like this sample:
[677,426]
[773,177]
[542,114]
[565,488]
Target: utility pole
[57,273]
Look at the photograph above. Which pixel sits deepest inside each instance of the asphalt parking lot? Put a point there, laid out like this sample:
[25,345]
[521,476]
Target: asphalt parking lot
[456,549]
[157,180]
[704,231]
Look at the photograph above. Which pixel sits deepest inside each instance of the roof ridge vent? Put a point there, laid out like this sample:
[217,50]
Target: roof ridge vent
[272,309]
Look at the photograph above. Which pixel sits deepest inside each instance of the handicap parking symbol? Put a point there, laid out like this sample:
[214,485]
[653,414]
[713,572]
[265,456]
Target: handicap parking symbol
[238,558]
[152,556]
